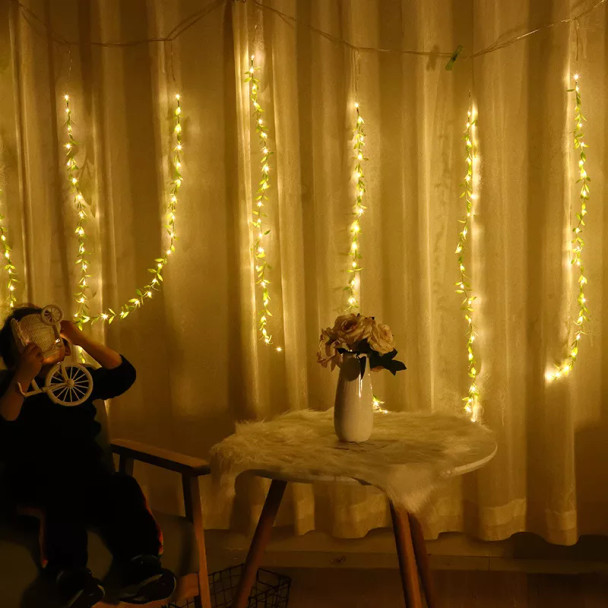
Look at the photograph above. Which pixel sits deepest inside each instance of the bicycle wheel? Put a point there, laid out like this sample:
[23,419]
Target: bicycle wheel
[51,314]
[69,385]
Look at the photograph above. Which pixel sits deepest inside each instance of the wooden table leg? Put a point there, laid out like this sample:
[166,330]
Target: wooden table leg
[259,542]
[407,558]
[423,560]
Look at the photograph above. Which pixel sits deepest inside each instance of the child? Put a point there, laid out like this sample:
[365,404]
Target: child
[54,462]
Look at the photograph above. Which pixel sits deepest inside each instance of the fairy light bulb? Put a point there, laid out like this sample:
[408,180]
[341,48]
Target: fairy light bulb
[463,286]
[377,405]
[577,245]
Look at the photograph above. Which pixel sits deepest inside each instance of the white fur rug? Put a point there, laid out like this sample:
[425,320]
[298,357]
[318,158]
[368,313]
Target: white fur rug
[408,455]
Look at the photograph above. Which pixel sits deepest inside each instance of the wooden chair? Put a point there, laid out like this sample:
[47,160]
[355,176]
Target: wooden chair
[184,537]
[192,585]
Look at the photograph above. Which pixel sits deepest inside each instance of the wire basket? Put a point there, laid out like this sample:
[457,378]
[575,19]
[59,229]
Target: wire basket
[270,590]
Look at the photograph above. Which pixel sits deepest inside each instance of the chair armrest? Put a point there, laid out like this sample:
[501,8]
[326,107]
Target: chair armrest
[186,465]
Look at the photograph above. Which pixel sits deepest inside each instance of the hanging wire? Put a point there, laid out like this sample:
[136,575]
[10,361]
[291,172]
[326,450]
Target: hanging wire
[32,18]
[495,46]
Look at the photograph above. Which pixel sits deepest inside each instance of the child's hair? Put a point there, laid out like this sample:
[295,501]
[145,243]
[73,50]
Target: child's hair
[7,352]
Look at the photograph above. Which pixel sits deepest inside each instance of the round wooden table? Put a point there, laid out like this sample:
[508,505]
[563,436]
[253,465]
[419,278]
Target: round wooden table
[409,540]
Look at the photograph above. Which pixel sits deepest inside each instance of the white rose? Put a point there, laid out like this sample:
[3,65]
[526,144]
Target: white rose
[352,328]
[381,339]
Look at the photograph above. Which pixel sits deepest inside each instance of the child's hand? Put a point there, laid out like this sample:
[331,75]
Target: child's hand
[30,361]
[71,333]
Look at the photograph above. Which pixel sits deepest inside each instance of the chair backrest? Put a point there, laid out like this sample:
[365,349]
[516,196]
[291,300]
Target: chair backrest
[103,439]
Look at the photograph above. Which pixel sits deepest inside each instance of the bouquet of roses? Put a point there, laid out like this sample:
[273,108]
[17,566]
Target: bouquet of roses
[362,336]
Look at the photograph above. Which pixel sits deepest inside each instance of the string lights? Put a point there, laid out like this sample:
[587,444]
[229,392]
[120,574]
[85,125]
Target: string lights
[8,264]
[377,406]
[82,257]
[577,244]
[260,232]
[147,291]
[354,283]
[463,286]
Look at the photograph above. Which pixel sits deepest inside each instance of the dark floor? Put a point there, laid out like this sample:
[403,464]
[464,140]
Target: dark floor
[337,588]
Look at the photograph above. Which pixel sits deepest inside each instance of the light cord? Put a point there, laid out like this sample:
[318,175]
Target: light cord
[577,244]
[353,288]
[463,286]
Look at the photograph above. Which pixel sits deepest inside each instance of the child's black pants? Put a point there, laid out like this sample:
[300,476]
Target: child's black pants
[72,500]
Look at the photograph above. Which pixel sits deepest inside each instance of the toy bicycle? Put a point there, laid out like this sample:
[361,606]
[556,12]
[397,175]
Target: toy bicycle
[66,384]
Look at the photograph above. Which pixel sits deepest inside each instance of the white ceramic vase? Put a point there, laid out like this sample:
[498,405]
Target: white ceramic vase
[354,412]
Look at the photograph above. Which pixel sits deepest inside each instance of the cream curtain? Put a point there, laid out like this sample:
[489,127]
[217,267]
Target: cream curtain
[201,366]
